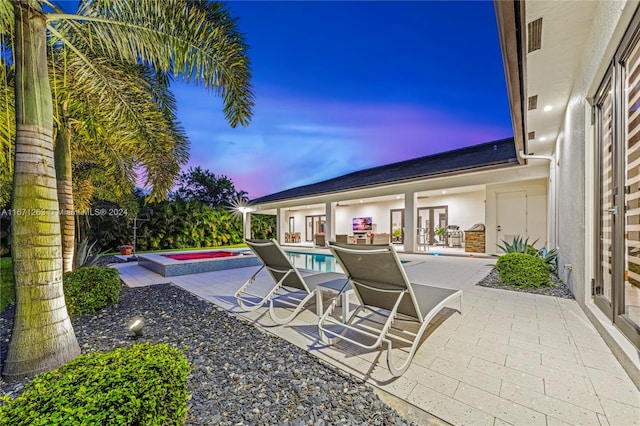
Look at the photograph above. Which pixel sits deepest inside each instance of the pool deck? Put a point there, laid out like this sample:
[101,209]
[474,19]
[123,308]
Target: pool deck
[509,358]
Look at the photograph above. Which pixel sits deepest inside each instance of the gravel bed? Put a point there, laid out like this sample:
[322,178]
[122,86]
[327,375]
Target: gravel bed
[241,375]
[558,289]
[107,260]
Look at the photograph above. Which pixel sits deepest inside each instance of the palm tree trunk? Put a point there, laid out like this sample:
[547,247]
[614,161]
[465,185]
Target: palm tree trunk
[62,156]
[42,337]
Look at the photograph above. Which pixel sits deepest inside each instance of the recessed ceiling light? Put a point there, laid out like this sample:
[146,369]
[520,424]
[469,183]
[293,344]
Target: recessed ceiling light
[548,108]
[361,201]
[542,139]
[444,192]
[397,197]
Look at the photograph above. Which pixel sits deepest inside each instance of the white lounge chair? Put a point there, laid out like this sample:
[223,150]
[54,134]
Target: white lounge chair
[289,283]
[382,288]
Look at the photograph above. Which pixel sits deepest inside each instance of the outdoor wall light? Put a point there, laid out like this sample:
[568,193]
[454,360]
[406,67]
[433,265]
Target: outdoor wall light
[542,139]
[136,325]
[548,108]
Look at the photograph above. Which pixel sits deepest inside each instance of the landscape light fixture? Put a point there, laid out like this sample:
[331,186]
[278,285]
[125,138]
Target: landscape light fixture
[136,325]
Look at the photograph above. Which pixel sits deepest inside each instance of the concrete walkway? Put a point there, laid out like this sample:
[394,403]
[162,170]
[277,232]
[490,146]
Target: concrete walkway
[510,358]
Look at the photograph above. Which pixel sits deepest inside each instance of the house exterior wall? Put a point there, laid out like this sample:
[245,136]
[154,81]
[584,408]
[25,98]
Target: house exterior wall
[464,209]
[379,212]
[537,212]
[576,154]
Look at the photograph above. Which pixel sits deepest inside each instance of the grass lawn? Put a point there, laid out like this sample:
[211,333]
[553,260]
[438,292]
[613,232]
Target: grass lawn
[7,293]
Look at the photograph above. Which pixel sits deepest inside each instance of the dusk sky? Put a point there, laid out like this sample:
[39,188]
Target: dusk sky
[344,86]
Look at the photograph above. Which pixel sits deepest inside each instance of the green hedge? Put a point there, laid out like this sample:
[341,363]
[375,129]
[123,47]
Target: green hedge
[87,290]
[143,385]
[523,270]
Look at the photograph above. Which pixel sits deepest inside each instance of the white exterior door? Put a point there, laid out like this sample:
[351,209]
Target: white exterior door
[511,215]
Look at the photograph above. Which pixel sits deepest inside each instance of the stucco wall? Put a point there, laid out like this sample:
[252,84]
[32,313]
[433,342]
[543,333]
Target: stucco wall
[379,213]
[536,220]
[575,151]
[464,210]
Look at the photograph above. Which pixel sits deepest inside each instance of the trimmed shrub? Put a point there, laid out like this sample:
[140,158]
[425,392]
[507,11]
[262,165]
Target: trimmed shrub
[523,270]
[87,290]
[143,385]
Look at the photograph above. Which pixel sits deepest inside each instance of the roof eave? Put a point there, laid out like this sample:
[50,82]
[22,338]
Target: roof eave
[510,16]
[474,169]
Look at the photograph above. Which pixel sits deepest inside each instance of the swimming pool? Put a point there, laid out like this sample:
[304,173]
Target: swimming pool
[314,261]
[195,262]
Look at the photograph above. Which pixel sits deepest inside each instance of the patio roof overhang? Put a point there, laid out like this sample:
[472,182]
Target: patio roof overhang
[468,181]
[542,45]
[488,156]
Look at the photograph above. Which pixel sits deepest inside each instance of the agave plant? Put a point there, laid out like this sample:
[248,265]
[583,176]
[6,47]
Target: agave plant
[85,255]
[518,245]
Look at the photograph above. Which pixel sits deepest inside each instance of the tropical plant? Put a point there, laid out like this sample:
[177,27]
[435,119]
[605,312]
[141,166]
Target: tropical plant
[7,287]
[518,245]
[90,289]
[263,226]
[523,270]
[206,187]
[193,40]
[85,255]
[106,138]
[144,384]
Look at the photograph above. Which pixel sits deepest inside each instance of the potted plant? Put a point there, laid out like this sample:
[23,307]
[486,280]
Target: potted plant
[125,249]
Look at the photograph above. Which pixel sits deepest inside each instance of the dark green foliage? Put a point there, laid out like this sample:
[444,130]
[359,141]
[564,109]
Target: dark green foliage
[143,385]
[85,255]
[204,186]
[551,259]
[111,230]
[87,290]
[188,224]
[5,233]
[518,245]
[7,286]
[263,226]
[523,270]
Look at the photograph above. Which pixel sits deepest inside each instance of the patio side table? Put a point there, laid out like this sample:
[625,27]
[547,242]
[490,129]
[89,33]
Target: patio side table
[334,287]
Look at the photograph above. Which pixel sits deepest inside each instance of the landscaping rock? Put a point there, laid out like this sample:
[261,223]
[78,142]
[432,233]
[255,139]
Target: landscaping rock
[558,289]
[241,375]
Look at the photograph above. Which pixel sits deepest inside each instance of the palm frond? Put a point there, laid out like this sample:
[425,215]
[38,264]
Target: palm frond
[192,40]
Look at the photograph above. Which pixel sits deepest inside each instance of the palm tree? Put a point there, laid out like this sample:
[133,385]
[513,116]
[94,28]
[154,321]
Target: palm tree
[140,109]
[194,40]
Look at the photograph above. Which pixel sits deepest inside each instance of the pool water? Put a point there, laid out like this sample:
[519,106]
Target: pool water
[314,261]
[317,262]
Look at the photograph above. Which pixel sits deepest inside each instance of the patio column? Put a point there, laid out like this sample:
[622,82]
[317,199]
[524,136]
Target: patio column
[410,200]
[281,225]
[246,220]
[330,214]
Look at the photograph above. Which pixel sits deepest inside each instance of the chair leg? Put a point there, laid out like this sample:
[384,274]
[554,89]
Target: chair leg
[285,320]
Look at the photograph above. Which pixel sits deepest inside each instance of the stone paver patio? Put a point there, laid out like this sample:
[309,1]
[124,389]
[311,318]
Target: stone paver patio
[510,358]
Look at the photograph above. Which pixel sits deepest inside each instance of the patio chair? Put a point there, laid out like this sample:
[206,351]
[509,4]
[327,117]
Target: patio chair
[382,288]
[288,281]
